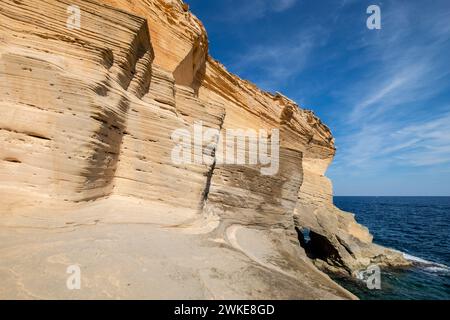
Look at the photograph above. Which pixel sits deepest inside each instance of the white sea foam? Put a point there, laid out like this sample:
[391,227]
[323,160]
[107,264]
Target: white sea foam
[429,265]
[435,269]
[417,259]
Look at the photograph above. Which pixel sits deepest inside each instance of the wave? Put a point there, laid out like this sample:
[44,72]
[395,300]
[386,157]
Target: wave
[435,269]
[426,264]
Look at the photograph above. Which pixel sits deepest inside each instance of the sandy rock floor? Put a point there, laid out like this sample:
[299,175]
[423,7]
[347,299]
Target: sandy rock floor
[127,249]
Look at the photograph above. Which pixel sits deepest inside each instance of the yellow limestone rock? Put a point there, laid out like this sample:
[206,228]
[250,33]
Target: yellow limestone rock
[88,177]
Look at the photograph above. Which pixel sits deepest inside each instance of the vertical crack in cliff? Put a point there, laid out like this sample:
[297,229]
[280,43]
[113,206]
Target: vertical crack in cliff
[210,172]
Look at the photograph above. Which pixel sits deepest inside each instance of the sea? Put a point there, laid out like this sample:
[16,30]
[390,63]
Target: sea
[419,227]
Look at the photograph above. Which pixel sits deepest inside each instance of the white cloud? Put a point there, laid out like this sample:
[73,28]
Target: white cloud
[272,65]
[395,84]
[282,5]
[249,10]
[424,142]
[405,72]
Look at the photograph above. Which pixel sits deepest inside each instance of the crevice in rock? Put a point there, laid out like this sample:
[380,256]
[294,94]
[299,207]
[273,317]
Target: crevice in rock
[205,193]
[319,247]
[346,247]
[210,172]
[13,160]
[37,136]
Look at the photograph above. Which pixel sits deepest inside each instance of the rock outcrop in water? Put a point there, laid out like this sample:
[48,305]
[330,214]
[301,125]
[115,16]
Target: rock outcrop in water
[88,177]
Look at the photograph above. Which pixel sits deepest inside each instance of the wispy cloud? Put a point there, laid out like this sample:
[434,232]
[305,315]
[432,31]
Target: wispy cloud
[431,142]
[395,84]
[404,73]
[392,144]
[249,10]
[282,5]
[273,64]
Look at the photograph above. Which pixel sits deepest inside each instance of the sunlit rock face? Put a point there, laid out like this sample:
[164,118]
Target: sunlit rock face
[87,126]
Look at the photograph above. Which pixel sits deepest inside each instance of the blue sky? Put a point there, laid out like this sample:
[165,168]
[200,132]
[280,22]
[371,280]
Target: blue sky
[385,94]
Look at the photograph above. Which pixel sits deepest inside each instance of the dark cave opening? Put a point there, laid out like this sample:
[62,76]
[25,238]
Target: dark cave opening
[317,246]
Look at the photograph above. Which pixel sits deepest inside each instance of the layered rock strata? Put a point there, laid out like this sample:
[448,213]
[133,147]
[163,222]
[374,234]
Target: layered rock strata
[87,140]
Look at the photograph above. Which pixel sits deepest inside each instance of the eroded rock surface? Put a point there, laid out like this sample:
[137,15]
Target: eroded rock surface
[88,178]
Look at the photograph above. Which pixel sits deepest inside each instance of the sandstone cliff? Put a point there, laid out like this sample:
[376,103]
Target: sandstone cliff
[87,177]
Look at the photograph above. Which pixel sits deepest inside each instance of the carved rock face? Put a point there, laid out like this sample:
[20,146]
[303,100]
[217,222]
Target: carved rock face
[86,138]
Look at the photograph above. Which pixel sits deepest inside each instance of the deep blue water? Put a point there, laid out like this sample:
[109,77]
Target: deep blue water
[417,226]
